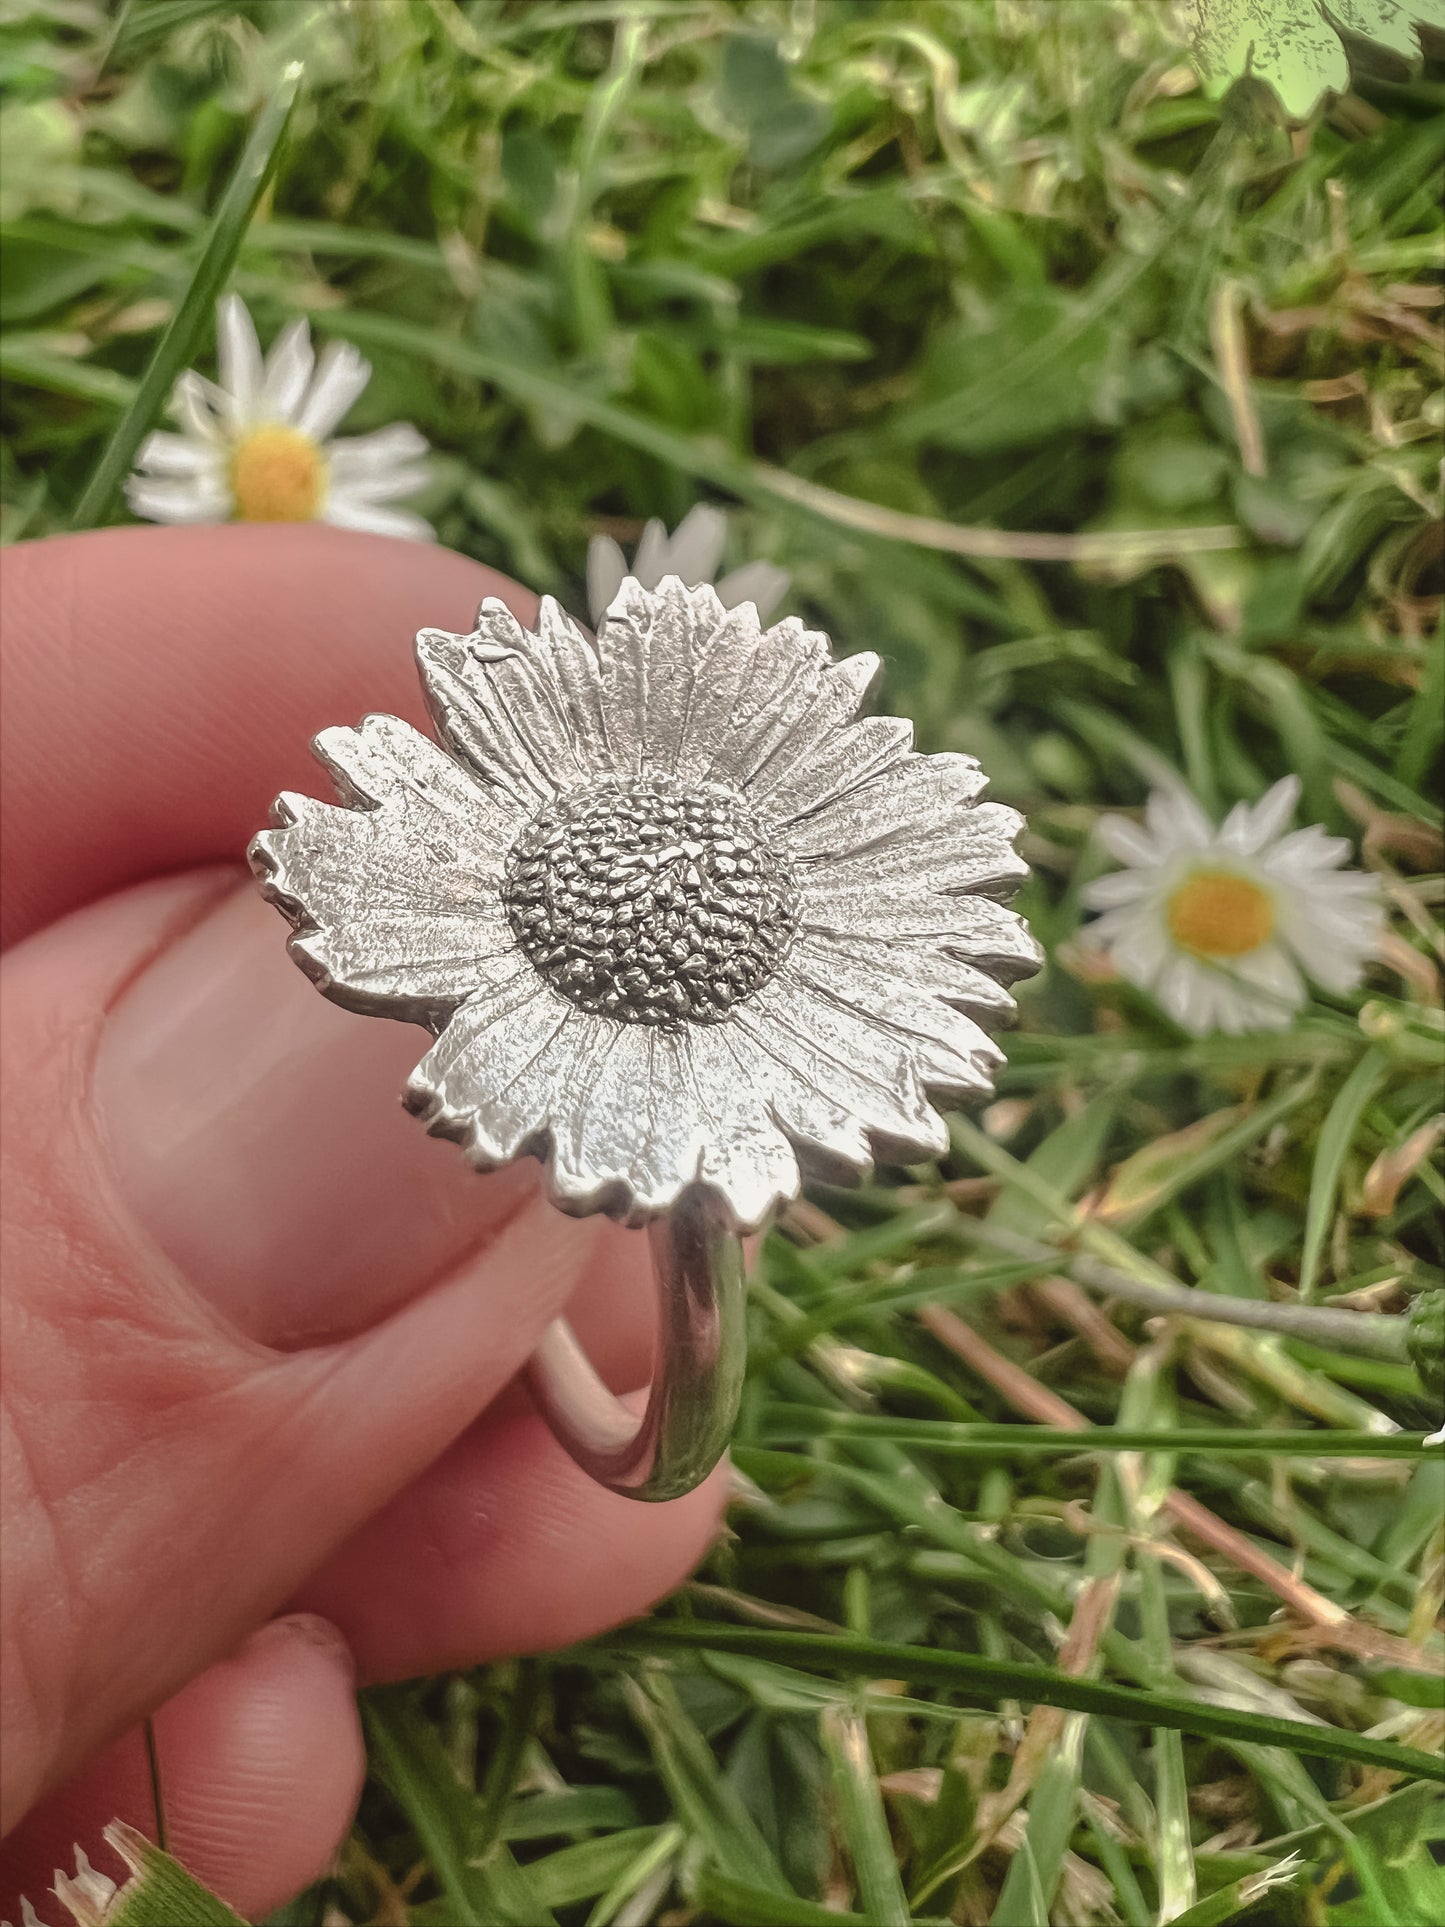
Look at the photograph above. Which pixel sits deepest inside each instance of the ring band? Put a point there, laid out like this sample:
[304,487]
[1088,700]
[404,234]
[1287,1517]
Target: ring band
[697,1380]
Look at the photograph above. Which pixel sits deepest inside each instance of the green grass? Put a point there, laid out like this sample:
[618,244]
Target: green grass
[892,279]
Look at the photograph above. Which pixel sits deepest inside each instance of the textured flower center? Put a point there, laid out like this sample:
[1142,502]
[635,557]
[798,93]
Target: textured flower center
[645,901]
[277,475]
[1218,914]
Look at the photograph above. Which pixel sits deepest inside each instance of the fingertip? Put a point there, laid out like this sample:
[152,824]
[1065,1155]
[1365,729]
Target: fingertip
[505,1546]
[261,1763]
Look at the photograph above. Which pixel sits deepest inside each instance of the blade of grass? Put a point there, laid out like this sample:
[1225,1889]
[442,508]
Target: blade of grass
[704,1799]
[408,1754]
[742,1904]
[985,1681]
[760,482]
[177,344]
[788,1421]
[519,1724]
[1146,1484]
[1331,1151]
[864,1824]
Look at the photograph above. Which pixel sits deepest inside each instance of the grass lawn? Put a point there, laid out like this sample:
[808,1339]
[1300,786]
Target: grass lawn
[1109,413]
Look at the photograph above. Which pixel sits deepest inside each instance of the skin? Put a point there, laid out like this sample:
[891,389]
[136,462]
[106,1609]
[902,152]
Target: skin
[260,1431]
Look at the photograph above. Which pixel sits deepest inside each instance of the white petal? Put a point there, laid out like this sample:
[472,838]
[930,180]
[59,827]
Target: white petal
[1247,829]
[190,498]
[396,900]
[763,584]
[606,568]
[365,491]
[1177,822]
[696,545]
[203,409]
[385,452]
[240,356]
[345,513]
[1305,852]
[1135,938]
[341,375]
[650,563]
[288,371]
[1184,996]
[1128,842]
[1269,971]
[1118,888]
[162,454]
[1331,920]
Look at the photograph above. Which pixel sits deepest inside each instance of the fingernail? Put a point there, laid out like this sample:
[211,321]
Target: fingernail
[310,1629]
[257,1133]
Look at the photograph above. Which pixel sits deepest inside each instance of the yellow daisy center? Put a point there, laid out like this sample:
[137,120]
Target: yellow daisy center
[1215,913]
[277,475]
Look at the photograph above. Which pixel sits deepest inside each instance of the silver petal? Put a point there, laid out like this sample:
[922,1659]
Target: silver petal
[498,703]
[973,852]
[395,901]
[835,768]
[498,1073]
[800,700]
[650,646]
[948,1048]
[919,961]
[816,1120]
[934,794]
[745,1156]
[866,1068]
[976,928]
[565,648]
[723,667]
[631,1133]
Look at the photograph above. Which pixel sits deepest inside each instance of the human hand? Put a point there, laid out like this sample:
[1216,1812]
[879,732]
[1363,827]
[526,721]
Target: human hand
[251,1312]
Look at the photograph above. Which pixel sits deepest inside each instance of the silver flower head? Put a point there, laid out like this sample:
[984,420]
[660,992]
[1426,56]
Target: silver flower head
[673,912]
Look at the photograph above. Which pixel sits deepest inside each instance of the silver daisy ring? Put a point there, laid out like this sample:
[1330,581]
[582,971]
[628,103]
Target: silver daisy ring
[682,926]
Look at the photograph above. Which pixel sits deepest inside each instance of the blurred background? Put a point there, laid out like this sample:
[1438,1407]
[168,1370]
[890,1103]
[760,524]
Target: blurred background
[1104,400]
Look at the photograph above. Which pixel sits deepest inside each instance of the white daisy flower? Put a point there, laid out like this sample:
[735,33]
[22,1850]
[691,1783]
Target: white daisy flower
[1219,924]
[691,553]
[256,445]
[672,914]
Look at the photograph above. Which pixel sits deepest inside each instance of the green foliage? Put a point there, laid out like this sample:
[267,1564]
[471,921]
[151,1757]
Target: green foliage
[1109,413]
[1305,49]
[1426,1340]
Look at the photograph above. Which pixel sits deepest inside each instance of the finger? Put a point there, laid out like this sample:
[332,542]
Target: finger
[162,685]
[504,1546]
[171,1479]
[257,1131]
[261,1764]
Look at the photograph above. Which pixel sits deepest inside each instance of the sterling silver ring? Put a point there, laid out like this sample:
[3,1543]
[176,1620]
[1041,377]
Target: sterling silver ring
[682,925]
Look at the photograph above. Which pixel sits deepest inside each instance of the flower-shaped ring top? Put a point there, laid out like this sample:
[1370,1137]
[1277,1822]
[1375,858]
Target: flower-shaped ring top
[675,914]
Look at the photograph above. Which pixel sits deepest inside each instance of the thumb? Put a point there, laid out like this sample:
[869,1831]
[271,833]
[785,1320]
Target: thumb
[246,1300]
